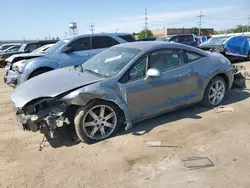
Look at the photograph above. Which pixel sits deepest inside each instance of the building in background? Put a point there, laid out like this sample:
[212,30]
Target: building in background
[176,31]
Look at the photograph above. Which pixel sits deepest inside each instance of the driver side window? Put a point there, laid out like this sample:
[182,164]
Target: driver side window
[164,60]
[81,44]
[138,71]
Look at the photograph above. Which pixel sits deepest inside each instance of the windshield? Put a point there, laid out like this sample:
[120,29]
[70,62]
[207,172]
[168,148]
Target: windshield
[111,61]
[42,49]
[216,41]
[38,49]
[56,46]
[4,47]
[12,49]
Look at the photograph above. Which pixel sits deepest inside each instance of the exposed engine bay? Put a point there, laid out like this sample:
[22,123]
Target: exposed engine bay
[45,115]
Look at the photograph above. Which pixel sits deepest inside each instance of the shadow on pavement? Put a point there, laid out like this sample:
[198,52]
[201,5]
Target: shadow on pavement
[67,136]
[193,112]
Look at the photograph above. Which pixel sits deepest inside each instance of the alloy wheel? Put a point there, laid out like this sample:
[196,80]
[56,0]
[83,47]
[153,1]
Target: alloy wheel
[99,122]
[216,92]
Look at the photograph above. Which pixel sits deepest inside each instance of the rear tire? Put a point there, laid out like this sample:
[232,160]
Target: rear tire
[215,92]
[92,124]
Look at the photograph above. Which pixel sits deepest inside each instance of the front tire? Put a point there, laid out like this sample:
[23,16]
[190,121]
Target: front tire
[97,121]
[248,56]
[215,92]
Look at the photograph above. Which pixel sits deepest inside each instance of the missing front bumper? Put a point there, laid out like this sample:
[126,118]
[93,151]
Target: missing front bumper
[12,78]
[46,124]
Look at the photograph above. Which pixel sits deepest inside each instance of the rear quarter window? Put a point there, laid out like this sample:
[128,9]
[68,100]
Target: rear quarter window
[128,38]
[103,42]
[191,56]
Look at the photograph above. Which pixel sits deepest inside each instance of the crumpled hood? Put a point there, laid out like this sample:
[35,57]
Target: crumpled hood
[10,59]
[51,84]
[8,54]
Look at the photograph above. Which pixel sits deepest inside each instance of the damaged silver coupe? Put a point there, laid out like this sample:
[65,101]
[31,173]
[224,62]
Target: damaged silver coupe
[122,85]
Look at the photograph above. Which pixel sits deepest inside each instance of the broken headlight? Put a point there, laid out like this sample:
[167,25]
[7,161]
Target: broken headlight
[51,104]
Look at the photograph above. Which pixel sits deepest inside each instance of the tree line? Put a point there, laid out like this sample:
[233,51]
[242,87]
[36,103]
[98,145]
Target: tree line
[237,29]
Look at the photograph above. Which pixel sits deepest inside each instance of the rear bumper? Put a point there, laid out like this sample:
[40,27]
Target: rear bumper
[230,75]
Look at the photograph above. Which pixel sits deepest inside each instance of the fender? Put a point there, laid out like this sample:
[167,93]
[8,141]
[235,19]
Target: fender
[33,64]
[105,91]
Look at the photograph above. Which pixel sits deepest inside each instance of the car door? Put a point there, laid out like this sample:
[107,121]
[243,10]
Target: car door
[100,43]
[171,90]
[79,53]
[188,40]
[237,45]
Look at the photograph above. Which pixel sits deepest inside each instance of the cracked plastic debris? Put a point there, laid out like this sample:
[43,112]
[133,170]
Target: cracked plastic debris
[159,144]
[223,109]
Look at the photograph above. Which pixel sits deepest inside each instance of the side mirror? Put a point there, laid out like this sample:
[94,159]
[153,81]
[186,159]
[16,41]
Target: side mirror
[68,49]
[152,73]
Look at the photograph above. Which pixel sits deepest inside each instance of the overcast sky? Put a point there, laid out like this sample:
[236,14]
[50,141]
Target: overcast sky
[34,19]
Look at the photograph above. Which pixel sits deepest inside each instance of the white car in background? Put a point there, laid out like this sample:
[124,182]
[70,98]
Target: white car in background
[11,49]
[42,49]
[18,59]
[5,47]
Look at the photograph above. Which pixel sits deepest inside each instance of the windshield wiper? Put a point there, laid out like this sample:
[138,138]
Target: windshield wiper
[93,72]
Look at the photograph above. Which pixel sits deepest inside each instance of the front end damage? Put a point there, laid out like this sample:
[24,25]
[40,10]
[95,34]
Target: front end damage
[44,115]
[49,114]
[241,76]
[50,101]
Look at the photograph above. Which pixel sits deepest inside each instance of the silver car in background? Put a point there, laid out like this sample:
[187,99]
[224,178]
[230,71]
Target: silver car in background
[124,84]
[17,60]
[65,53]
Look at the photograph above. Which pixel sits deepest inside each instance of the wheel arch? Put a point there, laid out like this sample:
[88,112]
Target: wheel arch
[222,75]
[74,107]
[225,77]
[112,102]
[40,69]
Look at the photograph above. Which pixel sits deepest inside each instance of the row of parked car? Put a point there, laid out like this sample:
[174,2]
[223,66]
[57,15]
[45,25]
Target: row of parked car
[105,81]
[7,50]
[234,48]
[64,53]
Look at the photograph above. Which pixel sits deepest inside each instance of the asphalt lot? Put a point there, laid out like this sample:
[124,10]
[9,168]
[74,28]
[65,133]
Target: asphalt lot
[126,160]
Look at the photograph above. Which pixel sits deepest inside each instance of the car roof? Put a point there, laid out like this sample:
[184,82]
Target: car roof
[98,34]
[145,45]
[14,44]
[180,35]
[42,41]
[142,45]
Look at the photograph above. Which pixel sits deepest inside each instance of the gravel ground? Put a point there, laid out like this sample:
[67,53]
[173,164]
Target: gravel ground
[126,160]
